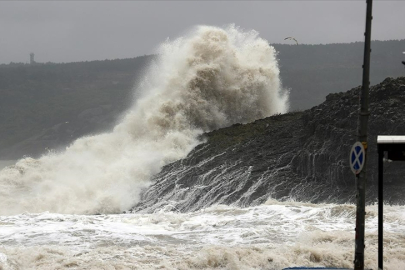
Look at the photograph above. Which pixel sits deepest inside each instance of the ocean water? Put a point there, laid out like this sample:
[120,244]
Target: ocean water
[65,209]
[210,78]
[269,236]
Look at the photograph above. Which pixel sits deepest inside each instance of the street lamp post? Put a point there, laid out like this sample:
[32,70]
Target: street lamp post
[364,113]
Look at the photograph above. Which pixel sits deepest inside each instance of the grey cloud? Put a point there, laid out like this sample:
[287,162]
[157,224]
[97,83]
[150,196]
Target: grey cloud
[62,31]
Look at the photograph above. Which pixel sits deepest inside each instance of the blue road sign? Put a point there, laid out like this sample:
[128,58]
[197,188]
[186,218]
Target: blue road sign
[357,158]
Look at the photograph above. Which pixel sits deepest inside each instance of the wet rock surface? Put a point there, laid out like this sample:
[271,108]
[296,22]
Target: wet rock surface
[299,155]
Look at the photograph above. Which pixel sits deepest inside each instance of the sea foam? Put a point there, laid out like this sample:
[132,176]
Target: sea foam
[210,78]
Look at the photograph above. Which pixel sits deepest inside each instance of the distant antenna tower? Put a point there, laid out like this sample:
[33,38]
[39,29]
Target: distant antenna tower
[32,61]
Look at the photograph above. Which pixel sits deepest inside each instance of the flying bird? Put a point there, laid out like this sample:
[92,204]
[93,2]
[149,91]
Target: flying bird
[291,38]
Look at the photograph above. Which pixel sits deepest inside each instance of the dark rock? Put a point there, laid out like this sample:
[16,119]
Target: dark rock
[298,155]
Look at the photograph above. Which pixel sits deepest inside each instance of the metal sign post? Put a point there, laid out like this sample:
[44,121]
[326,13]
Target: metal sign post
[361,178]
[394,147]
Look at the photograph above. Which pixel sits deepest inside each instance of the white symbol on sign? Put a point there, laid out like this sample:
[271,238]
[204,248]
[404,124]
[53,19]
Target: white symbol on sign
[357,158]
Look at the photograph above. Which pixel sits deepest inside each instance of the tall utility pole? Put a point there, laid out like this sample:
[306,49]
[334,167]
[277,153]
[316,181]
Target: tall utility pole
[361,178]
[32,61]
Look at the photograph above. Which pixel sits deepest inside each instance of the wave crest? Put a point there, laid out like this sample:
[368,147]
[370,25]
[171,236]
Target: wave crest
[211,78]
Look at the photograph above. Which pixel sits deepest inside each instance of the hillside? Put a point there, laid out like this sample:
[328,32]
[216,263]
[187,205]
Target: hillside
[301,156]
[47,106]
[313,71]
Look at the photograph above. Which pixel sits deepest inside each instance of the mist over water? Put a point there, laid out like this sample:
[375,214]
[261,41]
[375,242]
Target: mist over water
[208,79]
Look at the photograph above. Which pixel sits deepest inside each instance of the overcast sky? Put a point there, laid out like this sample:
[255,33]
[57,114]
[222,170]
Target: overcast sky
[70,31]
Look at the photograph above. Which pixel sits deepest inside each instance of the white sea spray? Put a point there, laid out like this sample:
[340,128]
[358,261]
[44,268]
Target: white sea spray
[270,236]
[211,78]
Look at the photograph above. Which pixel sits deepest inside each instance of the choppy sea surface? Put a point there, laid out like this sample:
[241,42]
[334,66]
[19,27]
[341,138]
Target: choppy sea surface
[210,78]
[269,236]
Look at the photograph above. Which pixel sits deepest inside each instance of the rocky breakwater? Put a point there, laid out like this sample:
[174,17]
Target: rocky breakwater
[298,155]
